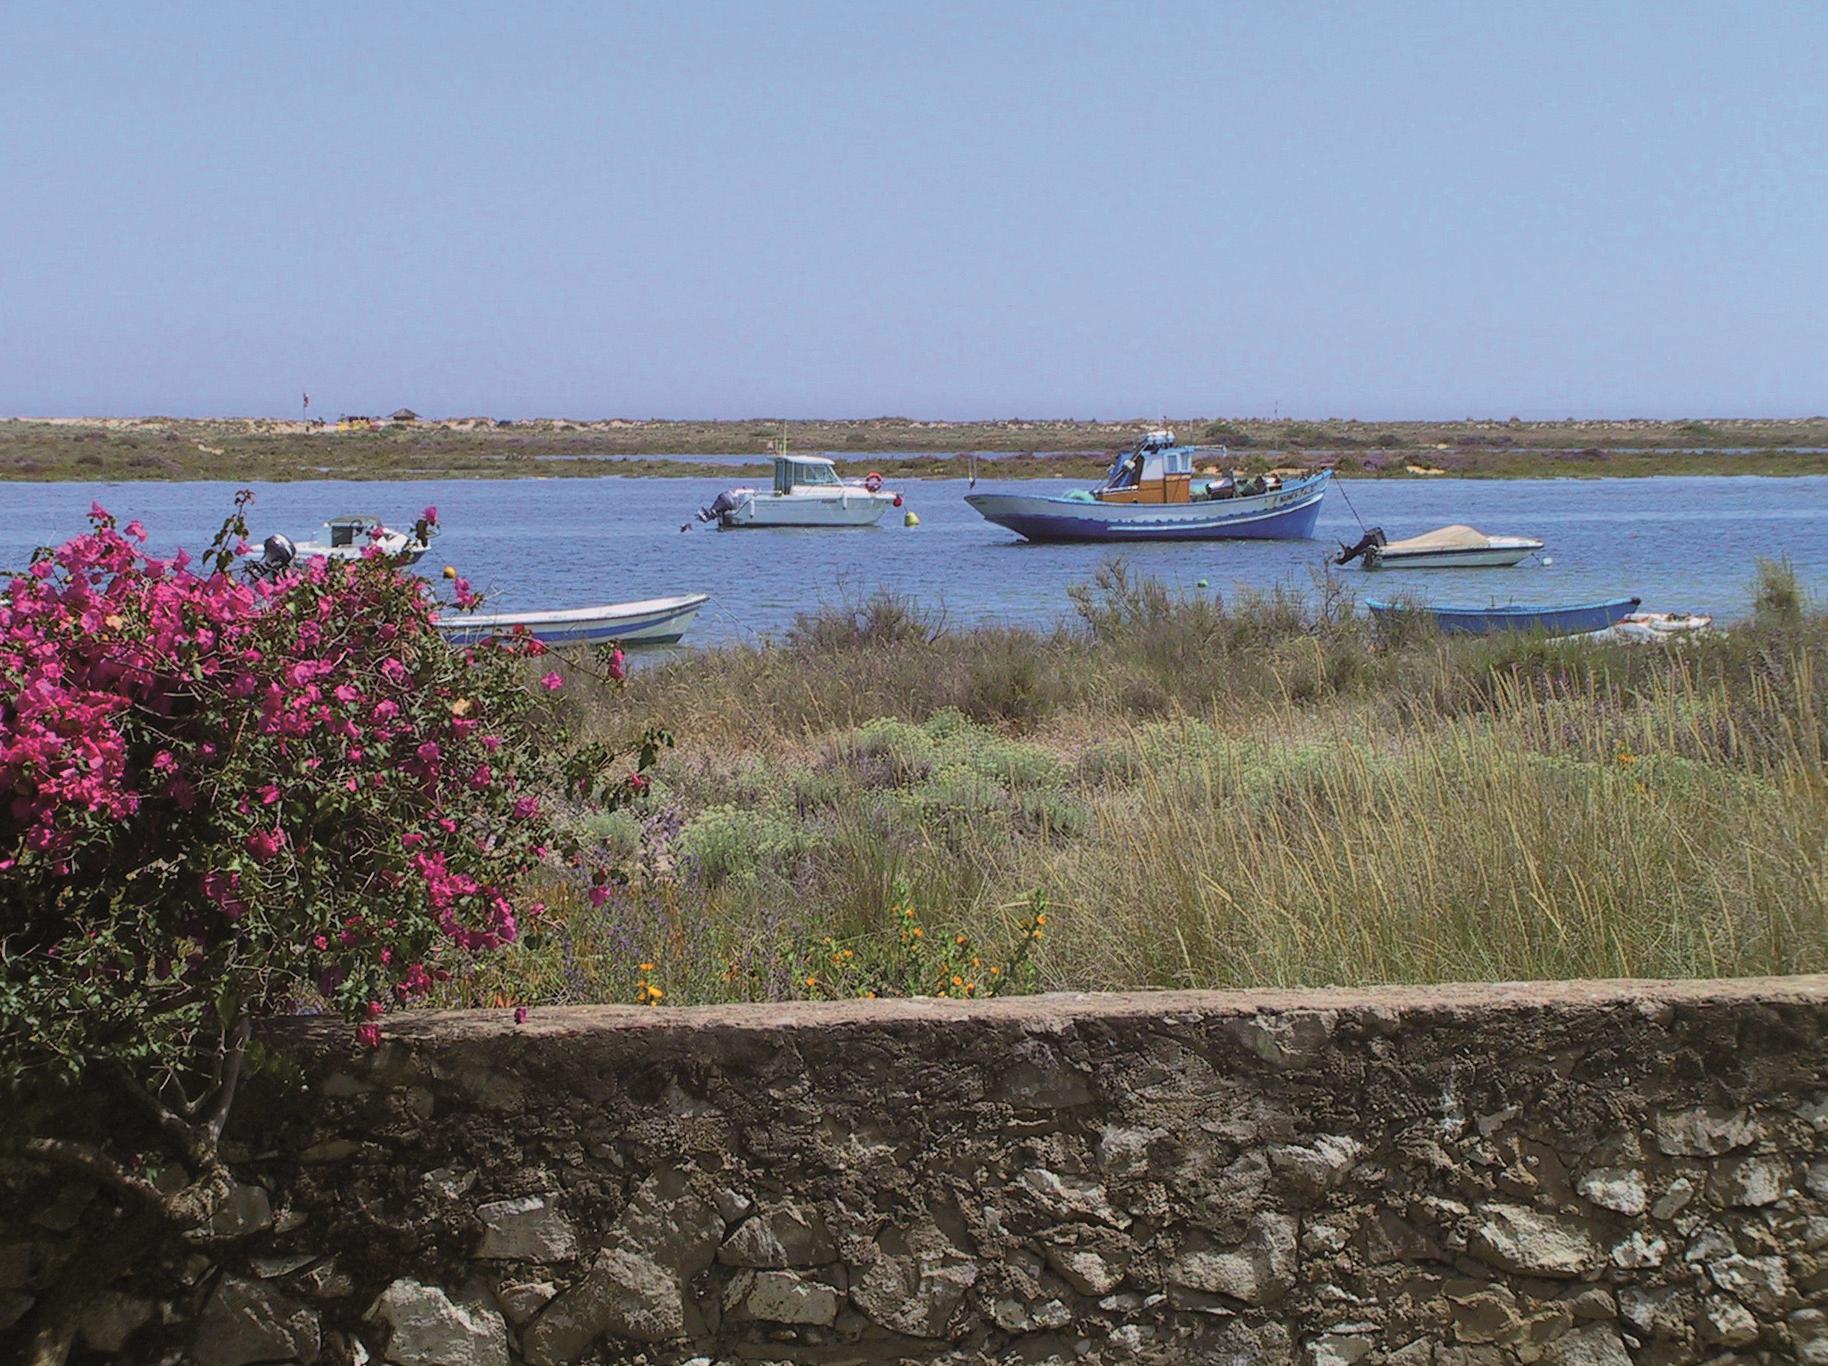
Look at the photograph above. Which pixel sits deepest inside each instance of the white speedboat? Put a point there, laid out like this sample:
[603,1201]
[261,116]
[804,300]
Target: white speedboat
[345,538]
[807,492]
[652,621]
[1451,547]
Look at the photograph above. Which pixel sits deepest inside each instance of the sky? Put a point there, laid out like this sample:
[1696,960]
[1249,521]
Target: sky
[931,209]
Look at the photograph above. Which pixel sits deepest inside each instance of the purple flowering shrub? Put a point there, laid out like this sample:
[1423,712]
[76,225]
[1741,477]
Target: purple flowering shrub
[224,799]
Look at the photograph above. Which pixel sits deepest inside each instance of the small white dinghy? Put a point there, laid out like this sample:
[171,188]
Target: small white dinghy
[1450,547]
[652,621]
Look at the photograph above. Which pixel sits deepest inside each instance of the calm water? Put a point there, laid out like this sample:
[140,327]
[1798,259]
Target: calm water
[1680,544]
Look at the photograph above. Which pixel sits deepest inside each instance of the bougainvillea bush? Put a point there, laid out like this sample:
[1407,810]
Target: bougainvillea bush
[224,797]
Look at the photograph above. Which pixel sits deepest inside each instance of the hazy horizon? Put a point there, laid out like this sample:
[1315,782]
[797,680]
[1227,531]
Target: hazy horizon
[1415,211]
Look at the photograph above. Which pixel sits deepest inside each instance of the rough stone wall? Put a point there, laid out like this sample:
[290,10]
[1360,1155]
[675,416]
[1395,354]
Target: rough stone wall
[1585,1174]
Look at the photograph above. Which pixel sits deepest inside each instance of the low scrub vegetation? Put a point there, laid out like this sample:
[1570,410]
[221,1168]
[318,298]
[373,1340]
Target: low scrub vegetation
[1259,791]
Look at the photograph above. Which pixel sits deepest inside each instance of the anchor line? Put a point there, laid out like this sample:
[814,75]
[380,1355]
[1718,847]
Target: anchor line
[1340,485]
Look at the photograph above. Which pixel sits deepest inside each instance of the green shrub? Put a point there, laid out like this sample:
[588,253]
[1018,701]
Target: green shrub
[736,844]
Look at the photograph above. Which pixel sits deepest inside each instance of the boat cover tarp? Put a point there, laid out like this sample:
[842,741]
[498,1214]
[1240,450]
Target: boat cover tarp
[1446,538]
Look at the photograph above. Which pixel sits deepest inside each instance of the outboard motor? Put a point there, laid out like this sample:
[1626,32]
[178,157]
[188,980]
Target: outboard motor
[1349,553]
[276,556]
[727,501]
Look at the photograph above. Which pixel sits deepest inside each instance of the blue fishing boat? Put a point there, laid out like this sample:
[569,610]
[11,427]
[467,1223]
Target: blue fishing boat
[1150,494]
[1571,620]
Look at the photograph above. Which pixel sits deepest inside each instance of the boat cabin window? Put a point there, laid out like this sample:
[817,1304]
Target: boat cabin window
[350,531]
[789,474]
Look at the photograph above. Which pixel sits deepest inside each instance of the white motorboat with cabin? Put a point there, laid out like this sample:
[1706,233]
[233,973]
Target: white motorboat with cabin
[1450,547]
[807,492]
[345,538]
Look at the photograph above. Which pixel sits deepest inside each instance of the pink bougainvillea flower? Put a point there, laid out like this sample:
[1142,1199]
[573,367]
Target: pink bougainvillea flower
[552,682]
[263,844]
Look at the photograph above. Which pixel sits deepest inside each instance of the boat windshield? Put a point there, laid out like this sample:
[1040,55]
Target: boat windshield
[789,474]
[351,530]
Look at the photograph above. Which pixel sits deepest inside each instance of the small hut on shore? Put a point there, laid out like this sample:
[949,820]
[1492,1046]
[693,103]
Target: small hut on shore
[403,415]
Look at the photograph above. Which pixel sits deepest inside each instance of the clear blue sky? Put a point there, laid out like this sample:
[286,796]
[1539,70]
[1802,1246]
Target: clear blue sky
[927,209]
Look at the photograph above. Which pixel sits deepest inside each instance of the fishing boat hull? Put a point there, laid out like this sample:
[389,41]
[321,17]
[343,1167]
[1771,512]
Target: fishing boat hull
[1570,620]
[1288,514]
[652,621]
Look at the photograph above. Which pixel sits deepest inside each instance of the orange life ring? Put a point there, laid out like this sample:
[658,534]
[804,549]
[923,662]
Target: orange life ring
[872,481]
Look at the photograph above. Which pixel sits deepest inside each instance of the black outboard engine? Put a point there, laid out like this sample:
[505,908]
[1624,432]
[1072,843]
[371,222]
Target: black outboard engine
[1349,553]
[276,556]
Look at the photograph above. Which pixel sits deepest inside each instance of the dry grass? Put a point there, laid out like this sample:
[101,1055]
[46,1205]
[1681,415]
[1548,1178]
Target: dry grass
[1206,794]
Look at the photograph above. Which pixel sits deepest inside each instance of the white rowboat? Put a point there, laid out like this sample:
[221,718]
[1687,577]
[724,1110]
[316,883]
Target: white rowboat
[652,621]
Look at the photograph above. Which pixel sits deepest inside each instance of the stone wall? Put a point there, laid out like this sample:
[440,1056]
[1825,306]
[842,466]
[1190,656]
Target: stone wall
[1592,1173]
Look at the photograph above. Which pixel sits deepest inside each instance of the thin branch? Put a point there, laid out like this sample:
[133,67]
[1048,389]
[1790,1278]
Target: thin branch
[94,1162]
[231,1081]
[170,1122]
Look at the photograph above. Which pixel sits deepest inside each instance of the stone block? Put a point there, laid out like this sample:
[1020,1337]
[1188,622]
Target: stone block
[1705,1131]
[110,1318]
[779,1236]
[1518,1238]
[249,1321]
[783,1297]
[1621,1189]
[428,1327]
[527,1229]
[1258,1271]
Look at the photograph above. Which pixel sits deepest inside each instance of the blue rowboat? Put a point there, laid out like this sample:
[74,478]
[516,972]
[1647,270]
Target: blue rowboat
[653,621]
[1571,620]
[1150,495]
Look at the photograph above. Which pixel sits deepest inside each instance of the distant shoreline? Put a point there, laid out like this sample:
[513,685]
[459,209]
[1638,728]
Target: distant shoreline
[261,449]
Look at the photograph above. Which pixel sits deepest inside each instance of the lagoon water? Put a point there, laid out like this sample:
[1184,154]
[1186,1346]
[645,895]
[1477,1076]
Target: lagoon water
[1682,544]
